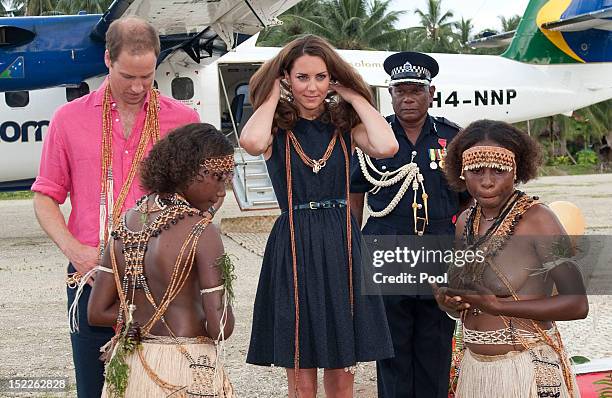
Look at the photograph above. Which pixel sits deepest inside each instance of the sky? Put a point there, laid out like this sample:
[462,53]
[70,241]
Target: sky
[484,13]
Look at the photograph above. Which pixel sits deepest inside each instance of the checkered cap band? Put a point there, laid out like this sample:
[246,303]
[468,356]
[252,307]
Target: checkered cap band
[408,67]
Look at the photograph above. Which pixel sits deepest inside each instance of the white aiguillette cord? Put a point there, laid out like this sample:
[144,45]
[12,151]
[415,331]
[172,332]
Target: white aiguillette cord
[409,172]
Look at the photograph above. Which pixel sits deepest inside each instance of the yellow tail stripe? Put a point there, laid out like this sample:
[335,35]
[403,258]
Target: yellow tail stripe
[552,11]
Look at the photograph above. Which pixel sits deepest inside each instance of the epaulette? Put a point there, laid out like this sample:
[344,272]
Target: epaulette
[445,121]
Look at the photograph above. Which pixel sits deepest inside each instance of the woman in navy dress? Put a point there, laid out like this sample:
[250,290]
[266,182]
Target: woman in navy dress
[311,109]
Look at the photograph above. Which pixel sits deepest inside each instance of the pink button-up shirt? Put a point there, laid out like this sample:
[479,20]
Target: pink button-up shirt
[71,157]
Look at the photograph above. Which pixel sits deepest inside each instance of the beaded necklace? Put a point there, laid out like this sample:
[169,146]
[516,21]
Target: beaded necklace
[135,245]
[493,240]
[109,210]
[316,165]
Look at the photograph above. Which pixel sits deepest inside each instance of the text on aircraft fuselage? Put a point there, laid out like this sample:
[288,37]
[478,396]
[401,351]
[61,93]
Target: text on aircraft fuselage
[478,98]
[29,131]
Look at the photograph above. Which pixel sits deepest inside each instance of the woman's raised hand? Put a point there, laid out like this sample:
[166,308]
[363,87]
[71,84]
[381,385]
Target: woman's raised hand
[347,94]
[275,93]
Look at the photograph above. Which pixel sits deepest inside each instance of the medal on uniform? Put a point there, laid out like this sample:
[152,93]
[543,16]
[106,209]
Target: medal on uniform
[440,157]
[432,156]
[442,143]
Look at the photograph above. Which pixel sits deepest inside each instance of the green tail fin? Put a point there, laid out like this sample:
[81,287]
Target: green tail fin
[534,45]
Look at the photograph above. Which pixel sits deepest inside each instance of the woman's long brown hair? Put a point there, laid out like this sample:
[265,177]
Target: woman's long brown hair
[342,114]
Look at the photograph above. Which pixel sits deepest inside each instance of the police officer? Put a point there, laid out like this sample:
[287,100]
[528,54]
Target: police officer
[421,332]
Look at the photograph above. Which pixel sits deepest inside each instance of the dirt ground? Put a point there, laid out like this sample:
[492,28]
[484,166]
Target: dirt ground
[34,338]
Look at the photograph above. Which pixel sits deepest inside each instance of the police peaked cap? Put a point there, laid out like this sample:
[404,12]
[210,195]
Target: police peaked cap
[410,67]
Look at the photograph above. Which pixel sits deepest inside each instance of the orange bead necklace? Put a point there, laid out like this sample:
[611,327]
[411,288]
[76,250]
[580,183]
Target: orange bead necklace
[109,210]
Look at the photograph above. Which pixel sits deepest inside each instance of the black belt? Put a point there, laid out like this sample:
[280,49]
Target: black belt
[324,204]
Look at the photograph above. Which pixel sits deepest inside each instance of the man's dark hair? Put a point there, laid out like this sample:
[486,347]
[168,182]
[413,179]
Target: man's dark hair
[131,34]
[175,160]
[527,151]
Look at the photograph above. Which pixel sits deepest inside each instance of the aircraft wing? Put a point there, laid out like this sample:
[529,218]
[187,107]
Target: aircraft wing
[225,17]
[599,19]
[498,40]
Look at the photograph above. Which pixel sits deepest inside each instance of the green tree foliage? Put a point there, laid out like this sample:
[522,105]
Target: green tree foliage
[292,26]
[464,30]
[347,24]
[509,24]
[564,137]
[52,7]
[89,6]
[40,7]
[599,120]
[436,30]
[410,40]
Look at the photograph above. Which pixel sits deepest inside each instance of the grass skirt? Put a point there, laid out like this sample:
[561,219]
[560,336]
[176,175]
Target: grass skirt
[510,375]
[162,356]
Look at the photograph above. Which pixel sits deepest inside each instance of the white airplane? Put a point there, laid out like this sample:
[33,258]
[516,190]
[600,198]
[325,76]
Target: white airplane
[543,72]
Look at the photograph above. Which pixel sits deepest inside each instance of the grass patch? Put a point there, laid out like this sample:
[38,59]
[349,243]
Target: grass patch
[16,195]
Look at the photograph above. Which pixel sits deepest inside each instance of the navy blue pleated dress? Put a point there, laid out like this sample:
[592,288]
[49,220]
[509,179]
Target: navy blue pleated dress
[329,335]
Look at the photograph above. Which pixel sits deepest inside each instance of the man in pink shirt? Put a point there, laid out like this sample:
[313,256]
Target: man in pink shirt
[92,150]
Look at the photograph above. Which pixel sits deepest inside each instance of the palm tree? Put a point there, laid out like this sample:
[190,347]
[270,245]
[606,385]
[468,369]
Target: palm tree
[40,7]
[379,27]
[436,28]
[598,121]
[561,135]
[347,24]
[292,26]
[553,132]
[509,24]
[90,6]
[356,24]
[600,115]
[409,41]
[464,30]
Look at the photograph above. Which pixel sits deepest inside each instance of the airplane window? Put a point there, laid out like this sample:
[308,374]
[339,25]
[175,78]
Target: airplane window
[73,93]
[17,99]
[14,36]
[182,88]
